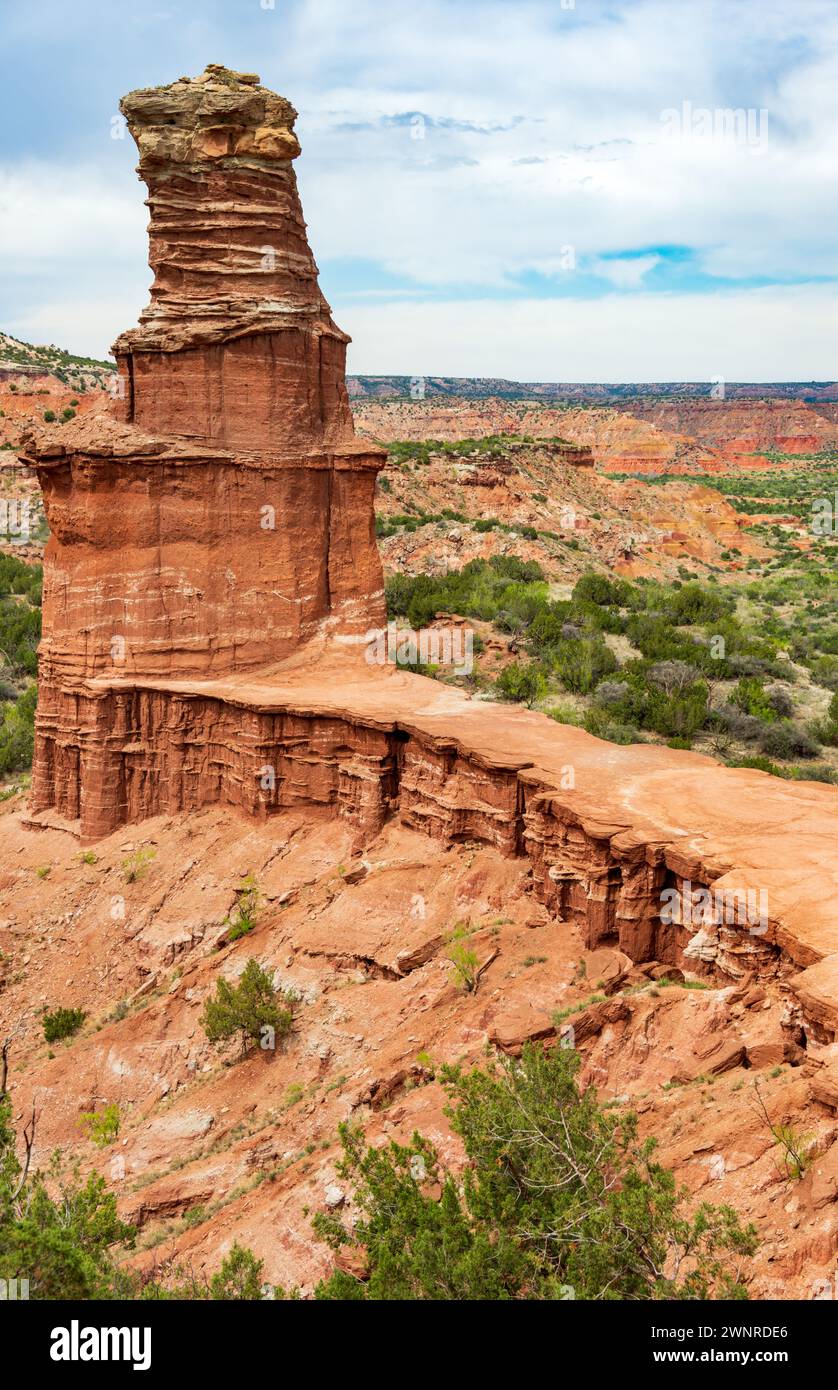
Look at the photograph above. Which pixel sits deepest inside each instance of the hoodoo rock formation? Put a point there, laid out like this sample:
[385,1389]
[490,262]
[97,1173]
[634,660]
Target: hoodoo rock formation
[224,517]
[213,565]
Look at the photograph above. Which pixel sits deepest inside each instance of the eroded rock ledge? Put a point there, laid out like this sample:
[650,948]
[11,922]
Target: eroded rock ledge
[610,833]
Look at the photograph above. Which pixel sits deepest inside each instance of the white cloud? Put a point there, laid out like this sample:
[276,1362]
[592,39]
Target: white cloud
[55,214]
[577,156]
[85,326]
[626,272]
[774,334]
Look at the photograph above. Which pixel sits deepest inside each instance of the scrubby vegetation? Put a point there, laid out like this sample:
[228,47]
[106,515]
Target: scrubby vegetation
[507,591]
[102,1126]
[62,1238]
[20,617]
[403,451]
[560,1199]
[20,633]
[242,919]
[62,1023]
[138,863]
[78,372]
[255,1010]
[706,663]
[17,732]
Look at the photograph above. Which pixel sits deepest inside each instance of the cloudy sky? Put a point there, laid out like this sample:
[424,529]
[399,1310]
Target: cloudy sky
[536,189]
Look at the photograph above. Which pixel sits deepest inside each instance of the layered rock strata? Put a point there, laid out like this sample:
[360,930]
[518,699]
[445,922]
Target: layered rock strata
[213,565]
[222,516]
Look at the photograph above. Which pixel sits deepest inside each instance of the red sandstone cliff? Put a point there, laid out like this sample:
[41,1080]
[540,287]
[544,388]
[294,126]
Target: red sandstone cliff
[224,518]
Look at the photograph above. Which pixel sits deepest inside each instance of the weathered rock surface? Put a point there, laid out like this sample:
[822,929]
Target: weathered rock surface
[210,1152]
[224,518]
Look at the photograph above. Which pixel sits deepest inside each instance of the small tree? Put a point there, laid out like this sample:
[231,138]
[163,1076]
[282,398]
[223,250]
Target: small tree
[795,1148]
[60,1239]
[525,684]
[254,1009]
[239,1278]
[242,921]
[463,959]
[560,1198]
[136,864]
[102,1126]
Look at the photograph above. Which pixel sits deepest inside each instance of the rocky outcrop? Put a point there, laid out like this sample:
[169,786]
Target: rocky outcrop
[742,430]
[224,517]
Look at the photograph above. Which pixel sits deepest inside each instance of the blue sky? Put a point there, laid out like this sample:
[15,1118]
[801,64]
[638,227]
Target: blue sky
[535,189]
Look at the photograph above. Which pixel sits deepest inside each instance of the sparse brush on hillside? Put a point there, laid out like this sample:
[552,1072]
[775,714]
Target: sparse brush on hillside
[254,1009]
[56,1232]
[560,1199]
[137,863]
[242,919]
[489,446]
[62,1238]
[102,1126]
[685,638]
[69,367]
[62,1023]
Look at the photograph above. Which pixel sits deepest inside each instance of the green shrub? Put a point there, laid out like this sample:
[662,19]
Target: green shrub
[787,740]
[759,764]
[751,698]
[463,958]
[599,589]
[135,866]
[565,714]
[525,684]
[580,663]
[693,604]
[599,723]
[559,1199]
[254,1009]
[17,733]
[60,1237]
[242,921]
[102,1126]
[679,715]
[824,671]
[62,1023]
[239,1278]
